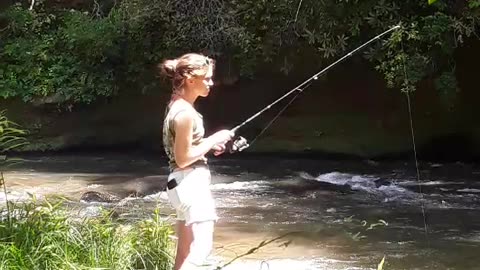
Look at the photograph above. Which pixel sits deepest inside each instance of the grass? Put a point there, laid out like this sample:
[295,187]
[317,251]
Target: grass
[45,236]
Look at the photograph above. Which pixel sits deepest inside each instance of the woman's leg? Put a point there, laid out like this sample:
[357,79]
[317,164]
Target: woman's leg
[201,246]
[185,239]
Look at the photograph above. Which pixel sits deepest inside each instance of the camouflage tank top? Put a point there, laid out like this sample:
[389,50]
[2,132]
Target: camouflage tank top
[169,131]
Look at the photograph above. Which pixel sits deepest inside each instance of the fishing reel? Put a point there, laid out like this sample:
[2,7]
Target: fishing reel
[236,145]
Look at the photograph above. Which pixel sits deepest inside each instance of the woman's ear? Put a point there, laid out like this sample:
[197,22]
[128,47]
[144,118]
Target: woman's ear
[189,80]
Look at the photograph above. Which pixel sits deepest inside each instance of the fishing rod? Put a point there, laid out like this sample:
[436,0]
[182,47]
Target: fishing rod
[241,143]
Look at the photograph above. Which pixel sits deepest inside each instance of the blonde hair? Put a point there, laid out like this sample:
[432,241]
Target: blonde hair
[184,67]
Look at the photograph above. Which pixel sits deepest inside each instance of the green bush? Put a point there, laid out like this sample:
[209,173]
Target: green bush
[76,56]
[46,236]
[62,53]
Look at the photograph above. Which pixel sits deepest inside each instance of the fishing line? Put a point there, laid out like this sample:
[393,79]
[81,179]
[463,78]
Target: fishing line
[240,143]
[276,116]
[415,149]
[416,166]
[307,83]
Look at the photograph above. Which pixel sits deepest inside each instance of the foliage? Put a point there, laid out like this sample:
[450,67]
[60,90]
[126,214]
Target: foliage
[62,53]
[380,265]
[76,56]
[11,136]
[360,235]
[45,236]
[261,245]
[424,49]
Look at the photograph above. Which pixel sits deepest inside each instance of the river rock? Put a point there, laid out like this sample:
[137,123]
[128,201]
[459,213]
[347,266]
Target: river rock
[95,196]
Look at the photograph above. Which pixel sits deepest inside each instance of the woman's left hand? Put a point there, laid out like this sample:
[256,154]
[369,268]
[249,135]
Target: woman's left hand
[218,149]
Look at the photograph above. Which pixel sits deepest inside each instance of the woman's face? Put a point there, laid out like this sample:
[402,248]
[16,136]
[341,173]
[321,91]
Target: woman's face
[201,84]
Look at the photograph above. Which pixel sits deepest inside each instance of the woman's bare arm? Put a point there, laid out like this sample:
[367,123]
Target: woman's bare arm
[186,153]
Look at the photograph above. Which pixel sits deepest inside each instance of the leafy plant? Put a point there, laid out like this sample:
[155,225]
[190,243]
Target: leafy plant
[46,236]
[359,235]
[66,56]
[11,136]
[380,265]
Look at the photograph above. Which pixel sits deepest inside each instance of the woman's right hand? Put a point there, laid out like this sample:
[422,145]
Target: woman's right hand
[222,136]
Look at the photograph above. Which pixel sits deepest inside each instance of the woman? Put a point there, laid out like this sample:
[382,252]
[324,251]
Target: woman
[183,138]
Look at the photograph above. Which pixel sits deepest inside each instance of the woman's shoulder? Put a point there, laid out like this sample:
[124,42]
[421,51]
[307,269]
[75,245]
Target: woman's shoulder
[181,108]
[178,105]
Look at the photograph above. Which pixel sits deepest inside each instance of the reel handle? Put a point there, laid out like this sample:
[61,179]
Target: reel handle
[236,145]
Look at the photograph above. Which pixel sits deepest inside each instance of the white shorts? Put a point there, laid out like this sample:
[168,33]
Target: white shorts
[192,198]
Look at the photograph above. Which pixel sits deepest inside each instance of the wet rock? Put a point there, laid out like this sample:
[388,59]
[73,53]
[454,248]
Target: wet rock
[382,182]
[95,196]
[372,162]
[309,185]
[125,186]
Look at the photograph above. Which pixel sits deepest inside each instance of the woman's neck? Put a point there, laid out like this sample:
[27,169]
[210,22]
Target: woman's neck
[190,97]
[187,96]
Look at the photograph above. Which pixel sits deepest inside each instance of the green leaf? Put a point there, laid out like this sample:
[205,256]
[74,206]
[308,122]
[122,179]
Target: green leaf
[431,1]
[380,265]
[15,146]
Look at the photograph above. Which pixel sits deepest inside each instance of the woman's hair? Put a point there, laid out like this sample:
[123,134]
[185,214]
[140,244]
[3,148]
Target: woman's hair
[185,66]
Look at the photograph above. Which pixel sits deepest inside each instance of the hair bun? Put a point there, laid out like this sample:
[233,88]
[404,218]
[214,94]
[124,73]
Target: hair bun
[169,67]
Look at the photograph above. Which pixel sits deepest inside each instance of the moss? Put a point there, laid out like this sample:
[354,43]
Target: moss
[351,134]
[44,144]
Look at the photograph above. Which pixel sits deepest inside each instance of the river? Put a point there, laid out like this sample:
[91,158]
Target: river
[338,214]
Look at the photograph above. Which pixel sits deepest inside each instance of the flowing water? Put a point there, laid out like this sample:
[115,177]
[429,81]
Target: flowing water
[336,214]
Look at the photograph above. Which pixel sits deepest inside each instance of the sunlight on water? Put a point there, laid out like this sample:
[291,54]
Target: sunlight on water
[332,208]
